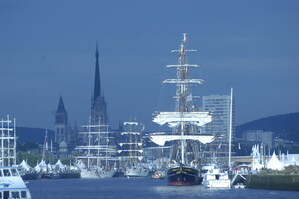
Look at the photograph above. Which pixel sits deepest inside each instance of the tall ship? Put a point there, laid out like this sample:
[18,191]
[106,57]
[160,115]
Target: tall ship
[11,183]
[96,157]
[131,151]
[186,123]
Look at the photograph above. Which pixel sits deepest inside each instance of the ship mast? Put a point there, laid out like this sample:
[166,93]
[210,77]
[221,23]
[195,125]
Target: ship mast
[8,142]
[185,119]
[97,151]
[230,128]
[182,91]
[45,147]
[134,147]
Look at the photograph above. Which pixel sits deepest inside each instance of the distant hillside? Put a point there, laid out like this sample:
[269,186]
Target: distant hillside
[286,126]
[26,134]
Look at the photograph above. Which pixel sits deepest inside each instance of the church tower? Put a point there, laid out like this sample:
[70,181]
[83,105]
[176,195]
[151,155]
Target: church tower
[61,123]
[98,104]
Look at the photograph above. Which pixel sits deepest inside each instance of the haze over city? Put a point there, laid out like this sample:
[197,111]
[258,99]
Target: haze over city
[48,50]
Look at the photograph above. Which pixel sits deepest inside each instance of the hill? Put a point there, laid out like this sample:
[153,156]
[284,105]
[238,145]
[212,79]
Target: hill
[285,126]
[27,134]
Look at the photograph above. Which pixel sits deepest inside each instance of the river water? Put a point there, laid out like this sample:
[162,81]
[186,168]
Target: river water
[141,188]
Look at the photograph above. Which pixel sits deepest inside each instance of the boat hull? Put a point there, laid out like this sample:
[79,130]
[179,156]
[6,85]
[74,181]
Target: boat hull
[88,174]
[30,176]
[136,172]
[183,176]
[218,184]
[106,174]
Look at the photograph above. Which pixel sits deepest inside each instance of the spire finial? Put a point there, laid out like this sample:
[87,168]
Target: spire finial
[97,50]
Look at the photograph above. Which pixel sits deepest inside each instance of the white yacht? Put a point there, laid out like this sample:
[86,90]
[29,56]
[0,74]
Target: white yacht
[12,185]
[216,178]
[137,171]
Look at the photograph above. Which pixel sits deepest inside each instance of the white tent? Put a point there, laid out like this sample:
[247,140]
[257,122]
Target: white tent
[291,159]
[50,167]
[42,166]
[274,163]
[59,165]
[25,166]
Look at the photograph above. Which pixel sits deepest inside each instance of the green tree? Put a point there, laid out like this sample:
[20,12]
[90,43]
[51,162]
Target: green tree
[31,158]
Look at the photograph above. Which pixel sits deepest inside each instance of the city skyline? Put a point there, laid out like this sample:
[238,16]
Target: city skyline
[250,46]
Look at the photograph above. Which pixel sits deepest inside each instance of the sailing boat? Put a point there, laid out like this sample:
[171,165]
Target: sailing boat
[131,150]
[97,155]
[185,122]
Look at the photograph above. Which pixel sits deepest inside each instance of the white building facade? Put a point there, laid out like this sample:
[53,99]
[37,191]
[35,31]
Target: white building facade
[259,136]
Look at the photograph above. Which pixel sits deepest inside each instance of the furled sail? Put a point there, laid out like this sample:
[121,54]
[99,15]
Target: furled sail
[161,139]
[132,133]
[140,151]
[198,118]
[131,143]
[130,157]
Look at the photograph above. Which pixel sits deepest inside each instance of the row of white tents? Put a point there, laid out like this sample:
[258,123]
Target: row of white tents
[42,166]
[274,163]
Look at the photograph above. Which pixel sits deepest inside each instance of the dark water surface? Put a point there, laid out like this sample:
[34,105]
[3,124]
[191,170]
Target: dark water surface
[141,188]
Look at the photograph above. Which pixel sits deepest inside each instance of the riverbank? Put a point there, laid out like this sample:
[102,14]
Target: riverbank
[273,181]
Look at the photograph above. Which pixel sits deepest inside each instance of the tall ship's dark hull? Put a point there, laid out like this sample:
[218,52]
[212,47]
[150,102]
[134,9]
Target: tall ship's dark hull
[182,176]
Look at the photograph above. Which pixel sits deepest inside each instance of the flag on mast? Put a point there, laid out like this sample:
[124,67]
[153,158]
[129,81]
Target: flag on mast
[185,37]
[182,51]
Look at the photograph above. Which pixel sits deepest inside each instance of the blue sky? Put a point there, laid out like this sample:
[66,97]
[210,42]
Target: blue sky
[47,50]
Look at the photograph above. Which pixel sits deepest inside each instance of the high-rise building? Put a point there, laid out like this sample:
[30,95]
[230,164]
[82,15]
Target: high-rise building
[61,123]
[98,104]
[220,108]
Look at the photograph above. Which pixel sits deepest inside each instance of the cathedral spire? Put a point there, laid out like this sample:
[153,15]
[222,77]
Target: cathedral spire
[97,80]
[61,123]
[98,104]
[60,105]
